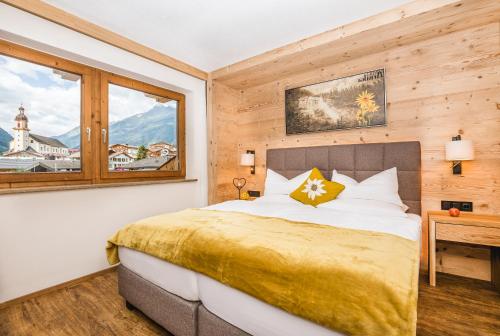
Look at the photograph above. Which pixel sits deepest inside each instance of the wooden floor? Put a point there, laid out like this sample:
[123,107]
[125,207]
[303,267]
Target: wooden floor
[456,307]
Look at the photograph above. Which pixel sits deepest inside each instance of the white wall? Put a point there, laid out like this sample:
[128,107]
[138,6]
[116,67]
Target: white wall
[50,237]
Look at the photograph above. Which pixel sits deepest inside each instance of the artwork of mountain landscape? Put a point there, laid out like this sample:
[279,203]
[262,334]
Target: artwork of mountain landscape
[43,133]
[344,103]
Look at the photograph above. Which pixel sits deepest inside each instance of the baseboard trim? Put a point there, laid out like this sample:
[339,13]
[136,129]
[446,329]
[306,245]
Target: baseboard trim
[67,284]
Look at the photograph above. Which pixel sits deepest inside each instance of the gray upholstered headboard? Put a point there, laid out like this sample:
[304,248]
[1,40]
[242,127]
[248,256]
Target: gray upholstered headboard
[357,161]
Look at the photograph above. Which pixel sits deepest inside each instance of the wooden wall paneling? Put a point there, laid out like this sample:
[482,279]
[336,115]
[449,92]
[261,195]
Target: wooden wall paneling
[388,17]
[211,148]
[436,88]
[495,267]
[417,21]
[223,135]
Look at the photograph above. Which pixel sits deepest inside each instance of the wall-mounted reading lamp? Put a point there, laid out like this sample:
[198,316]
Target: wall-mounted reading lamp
[459,150]
[248,159]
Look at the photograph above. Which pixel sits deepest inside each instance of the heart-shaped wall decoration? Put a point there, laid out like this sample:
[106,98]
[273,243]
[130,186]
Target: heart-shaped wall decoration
[239,182]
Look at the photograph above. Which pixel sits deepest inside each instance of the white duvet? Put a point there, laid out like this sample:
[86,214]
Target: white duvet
[354,215]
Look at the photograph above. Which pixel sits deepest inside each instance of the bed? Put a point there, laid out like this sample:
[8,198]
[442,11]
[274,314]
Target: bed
[186,302]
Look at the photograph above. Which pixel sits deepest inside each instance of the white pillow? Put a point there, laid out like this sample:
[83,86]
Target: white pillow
[368,207]
[343,179]
[277,184]
[381,187]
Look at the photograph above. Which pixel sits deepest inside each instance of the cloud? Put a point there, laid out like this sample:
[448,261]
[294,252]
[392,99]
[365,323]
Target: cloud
[23,68]
[53,105]
[125,102]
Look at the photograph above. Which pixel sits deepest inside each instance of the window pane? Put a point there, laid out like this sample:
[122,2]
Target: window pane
[40,110]
[142,131]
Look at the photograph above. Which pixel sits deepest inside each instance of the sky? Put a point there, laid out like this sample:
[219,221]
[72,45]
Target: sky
[51,103]
[125,102]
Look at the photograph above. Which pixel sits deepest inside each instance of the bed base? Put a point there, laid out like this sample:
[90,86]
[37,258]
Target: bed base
[178,316]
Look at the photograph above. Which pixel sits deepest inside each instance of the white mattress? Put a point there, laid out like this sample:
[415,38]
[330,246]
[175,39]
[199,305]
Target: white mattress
[247,313]
[177,280]
[254,316]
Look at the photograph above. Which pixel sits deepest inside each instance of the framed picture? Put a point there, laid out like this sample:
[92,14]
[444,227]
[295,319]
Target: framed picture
[350,102]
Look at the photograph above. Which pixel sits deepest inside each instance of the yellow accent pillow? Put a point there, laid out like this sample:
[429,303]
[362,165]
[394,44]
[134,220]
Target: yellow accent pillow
[316,189]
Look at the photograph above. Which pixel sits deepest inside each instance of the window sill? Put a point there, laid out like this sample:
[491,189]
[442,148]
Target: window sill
[91,186]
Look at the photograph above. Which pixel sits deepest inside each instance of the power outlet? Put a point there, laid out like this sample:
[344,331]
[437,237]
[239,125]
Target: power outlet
[253,193]
[460,205]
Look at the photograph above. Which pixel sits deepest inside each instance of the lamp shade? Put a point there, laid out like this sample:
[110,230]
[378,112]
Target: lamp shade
[459,150]
[247,159]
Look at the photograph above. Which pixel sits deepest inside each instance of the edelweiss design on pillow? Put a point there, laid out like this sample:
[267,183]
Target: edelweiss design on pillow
[314,188]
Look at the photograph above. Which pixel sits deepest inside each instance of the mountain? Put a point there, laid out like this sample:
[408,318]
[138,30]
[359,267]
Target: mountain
[71,138]
[158,124]
[155,125]
[5,138]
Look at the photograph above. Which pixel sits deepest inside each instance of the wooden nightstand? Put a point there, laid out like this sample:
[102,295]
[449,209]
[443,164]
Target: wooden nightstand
[467,228]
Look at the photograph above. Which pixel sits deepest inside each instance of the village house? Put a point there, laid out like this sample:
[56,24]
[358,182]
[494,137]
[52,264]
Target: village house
[33,146]
[118,160]
[161,149]
[124,148]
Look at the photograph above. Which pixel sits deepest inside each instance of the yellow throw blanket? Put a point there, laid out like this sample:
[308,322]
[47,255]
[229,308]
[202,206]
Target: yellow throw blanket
[353,281]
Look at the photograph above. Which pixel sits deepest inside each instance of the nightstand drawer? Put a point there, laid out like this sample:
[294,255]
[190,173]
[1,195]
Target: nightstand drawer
[468,234]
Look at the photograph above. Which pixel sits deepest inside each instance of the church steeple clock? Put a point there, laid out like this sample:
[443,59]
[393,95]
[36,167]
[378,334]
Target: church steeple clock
[21,131]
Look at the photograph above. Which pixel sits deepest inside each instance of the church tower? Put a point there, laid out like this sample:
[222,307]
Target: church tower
[21,131]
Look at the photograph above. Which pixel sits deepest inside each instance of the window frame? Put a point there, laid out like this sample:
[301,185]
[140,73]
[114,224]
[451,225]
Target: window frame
[105,174]
[86,73]
[94,116]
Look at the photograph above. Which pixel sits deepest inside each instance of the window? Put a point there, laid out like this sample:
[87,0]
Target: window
[43,100]
[65,123]
[143,126]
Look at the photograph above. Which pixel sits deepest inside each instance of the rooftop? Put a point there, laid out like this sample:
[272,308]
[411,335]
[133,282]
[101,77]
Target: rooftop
[47,141]
[148,163]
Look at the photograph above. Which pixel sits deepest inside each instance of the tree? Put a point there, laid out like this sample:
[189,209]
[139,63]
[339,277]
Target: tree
[142,153]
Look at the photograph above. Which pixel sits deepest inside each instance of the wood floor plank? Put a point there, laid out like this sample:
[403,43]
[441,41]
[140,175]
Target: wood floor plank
[456,307]
[93,307]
